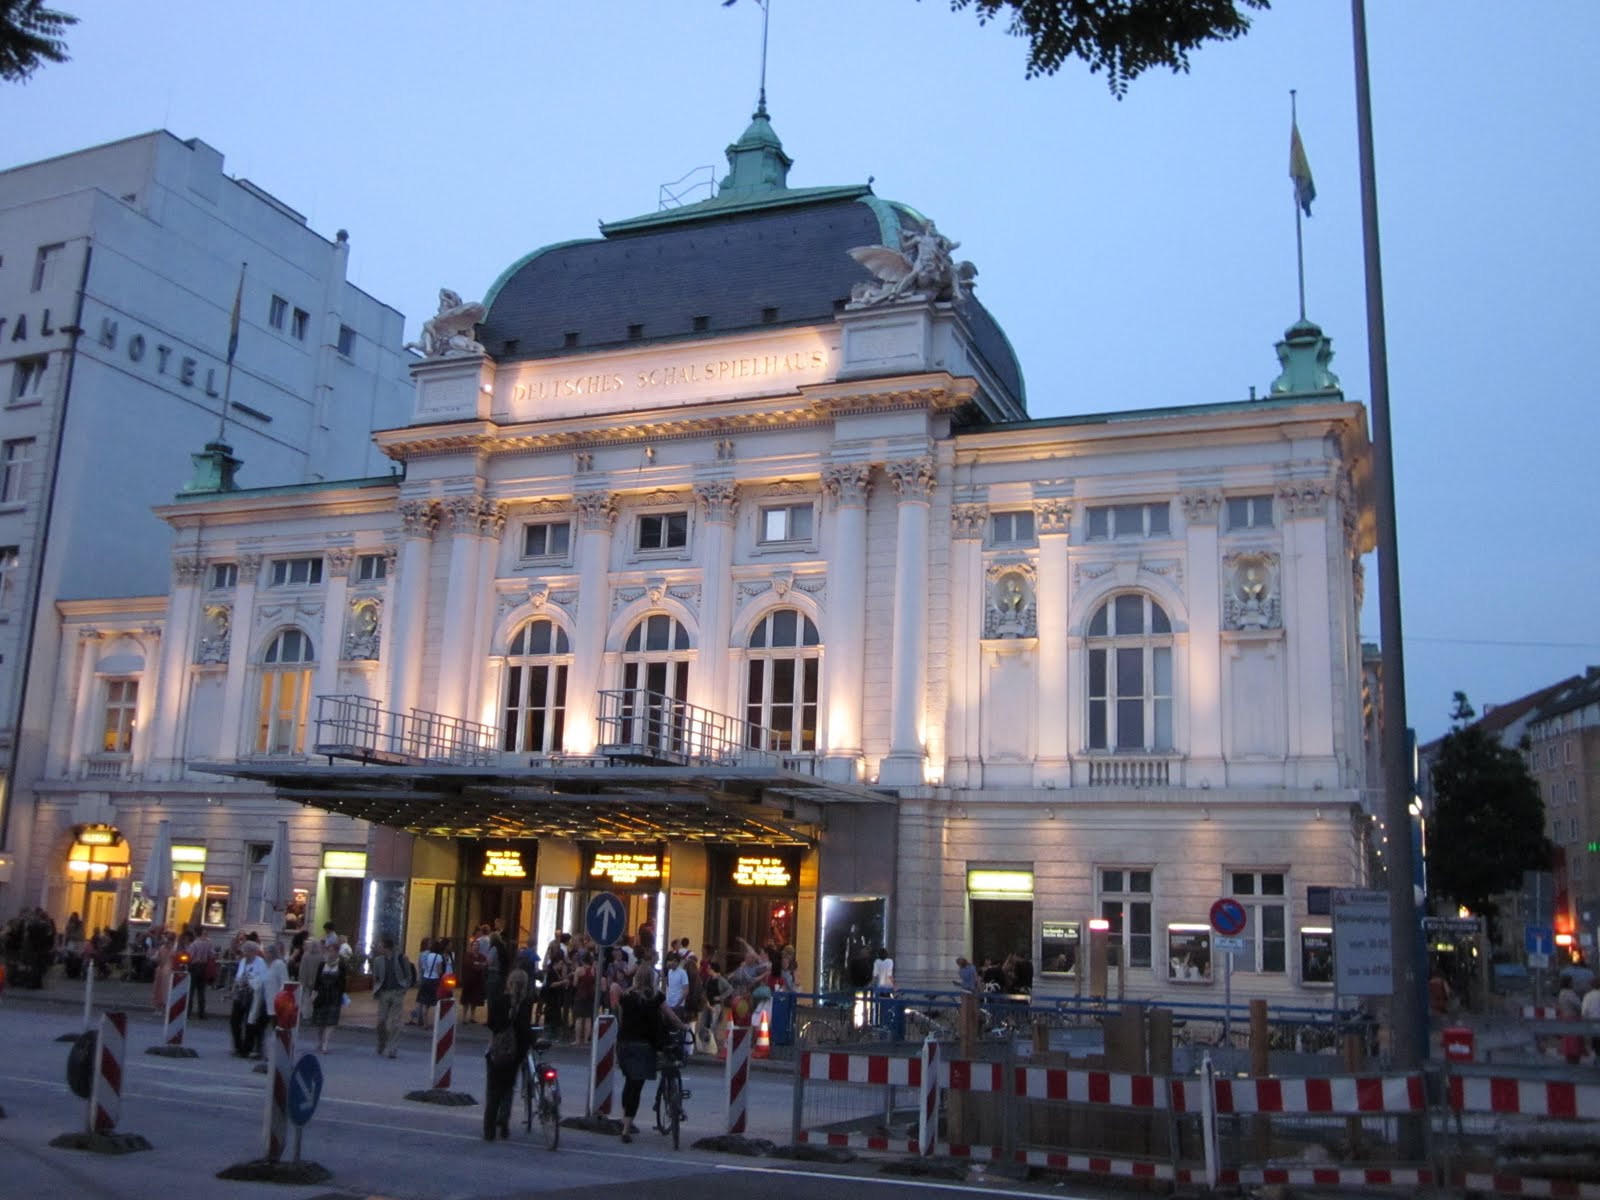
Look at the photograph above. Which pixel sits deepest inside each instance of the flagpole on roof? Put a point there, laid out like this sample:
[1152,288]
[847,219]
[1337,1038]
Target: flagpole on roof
[1302,200]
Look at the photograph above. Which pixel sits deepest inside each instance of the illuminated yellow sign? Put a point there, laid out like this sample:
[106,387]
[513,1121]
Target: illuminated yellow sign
[503,864]
[344,860]
[97,835]
[761,872]
[1010,883]
[195,855]
[625,867]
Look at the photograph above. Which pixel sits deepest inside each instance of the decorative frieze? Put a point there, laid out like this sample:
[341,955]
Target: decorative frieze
[657,590]
[1052,515]
[1083,573]
[789,487]
[545,508]
[968,521]
[724,449]
[1170,569]
[913,478]
[187,569]
[1201,508]
[718,500]
[848,484]
[596,510]
[418,518]
[1251,598]
[781,582]
[661,498]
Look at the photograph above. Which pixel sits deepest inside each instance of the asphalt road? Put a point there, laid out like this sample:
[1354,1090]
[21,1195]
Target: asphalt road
[203,1114]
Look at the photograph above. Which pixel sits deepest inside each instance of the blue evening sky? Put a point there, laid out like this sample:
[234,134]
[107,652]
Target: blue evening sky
[1138,253]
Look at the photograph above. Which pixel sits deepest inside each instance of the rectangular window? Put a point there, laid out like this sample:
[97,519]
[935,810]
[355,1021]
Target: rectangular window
[278,312]
[122,703]
[27,380]
[1125,899]
[301,323]
[16,458]
[47,266]
[1264,895]
[9,561]
[1249,512]
[663,531]
[224,575]
[546,539]
[257,857]
[1011,528]
[370,568]
[1128,521]
[786,523]
[347,340]
[295,572]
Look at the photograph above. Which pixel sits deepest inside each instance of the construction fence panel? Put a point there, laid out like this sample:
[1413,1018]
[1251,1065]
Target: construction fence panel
[1522,1132]
[861,1099]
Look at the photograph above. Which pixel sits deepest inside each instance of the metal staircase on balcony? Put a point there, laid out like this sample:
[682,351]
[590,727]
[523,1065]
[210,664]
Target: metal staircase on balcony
[358,728]
[653,729]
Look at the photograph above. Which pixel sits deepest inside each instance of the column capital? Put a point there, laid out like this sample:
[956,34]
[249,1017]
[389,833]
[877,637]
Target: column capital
[249,569]
[968,521]
[596,510]
[913,478]
[89,634]
[1202,507]
[474,514]
[418,518]
[1307,498]
[718,500]
[339,559]
[187,569]
[848,484]
[1052,515]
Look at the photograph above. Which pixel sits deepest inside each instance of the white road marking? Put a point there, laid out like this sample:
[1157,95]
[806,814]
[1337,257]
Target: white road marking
[987,1187]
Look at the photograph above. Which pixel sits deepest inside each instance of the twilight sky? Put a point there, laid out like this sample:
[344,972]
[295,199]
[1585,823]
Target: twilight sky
[1138,254]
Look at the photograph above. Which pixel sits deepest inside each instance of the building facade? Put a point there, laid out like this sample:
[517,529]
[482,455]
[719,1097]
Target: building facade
[1564,757]
[120,267]
[727,573]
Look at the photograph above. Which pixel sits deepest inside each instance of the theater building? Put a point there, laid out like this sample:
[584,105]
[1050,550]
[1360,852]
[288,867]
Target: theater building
[728,573]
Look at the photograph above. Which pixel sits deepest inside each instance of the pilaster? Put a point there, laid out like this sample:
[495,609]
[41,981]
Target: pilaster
[914,482]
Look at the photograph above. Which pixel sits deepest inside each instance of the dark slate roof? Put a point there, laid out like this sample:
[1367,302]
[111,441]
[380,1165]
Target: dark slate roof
[728,267]
[1579,693]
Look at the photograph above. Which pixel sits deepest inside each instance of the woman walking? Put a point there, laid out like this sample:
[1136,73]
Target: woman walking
[643,1032]
[472,970]
[583,993]
[510,1013]
[327,994]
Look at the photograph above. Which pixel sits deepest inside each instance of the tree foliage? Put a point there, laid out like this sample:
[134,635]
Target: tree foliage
[30,36]
[1487,826]
[1123,38]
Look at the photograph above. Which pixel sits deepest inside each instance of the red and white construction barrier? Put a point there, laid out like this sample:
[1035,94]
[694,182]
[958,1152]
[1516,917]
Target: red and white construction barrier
[860,1068]
[1093,1164]
[1525,1097]
[1092,1087]
[177,1010]
[105,1091]
[928,1109]
[1540,1012]
[280,1062]
[1345,1095]
[444,1044]
[603,1085]
[1512,1185]
[737,1077]
[1331,1176]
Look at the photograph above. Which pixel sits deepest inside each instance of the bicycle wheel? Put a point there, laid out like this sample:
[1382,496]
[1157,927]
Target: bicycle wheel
[550,1116]
[672,1085]
[527,1095]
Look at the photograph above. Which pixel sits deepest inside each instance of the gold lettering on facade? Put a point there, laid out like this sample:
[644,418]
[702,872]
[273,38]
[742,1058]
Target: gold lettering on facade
[761,872]
[678,374]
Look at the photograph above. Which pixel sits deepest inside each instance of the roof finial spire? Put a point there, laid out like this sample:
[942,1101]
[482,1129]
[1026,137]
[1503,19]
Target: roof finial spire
[761,96]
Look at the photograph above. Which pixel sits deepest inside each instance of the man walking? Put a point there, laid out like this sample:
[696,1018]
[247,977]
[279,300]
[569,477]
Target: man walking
[389,990]
[202,960]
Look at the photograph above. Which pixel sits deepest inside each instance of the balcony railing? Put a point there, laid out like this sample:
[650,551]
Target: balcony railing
[106,766]
[650,727]
[357,727]
[1133,770]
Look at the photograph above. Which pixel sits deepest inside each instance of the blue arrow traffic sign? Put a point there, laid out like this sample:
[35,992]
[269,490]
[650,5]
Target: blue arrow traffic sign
[603,919]
[305,1088]
[1228,917]
[1539,939]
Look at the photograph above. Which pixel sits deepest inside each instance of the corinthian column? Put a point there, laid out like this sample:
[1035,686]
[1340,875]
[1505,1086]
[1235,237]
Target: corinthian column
[172,682]
[407,614]
[967,525]
[719,503]
[1052,519]
[848,486]
[233,734]
[336,567]
[596,513]
[458,644]
[913,481]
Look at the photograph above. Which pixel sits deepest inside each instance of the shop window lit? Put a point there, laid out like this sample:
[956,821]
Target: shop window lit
[1129,660]
[1000,912]
[122,703]
[285,694]
[1125,899]
[781,682]
[1128,521]
[786,523]
[1264,895]
[257,856]
[535,694]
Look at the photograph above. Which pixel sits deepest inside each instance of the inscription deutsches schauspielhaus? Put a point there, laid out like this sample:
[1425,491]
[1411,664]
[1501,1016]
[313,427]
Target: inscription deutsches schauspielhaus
[707,371]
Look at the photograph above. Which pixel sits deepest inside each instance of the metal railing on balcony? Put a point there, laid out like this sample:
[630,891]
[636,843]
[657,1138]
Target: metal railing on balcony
[358,727]
[1133,770]
[651,727]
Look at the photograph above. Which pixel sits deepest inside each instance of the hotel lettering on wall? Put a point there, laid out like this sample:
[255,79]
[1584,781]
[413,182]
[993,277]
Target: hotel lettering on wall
[157,358]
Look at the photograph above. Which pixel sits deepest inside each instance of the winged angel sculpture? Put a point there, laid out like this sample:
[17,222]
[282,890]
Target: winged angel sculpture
[923,268]
[449,332]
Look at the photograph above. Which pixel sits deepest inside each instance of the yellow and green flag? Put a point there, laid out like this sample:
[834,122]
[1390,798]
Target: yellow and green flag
[1305,190]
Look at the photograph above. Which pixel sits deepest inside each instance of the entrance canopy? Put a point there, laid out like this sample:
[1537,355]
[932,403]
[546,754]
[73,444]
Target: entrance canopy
[598,802]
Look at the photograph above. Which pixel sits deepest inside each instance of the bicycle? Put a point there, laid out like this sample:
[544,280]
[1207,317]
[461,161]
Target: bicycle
[670,1092]
[541,1090]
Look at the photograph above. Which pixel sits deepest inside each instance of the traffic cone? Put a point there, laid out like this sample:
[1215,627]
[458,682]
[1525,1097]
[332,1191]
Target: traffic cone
[763,1047]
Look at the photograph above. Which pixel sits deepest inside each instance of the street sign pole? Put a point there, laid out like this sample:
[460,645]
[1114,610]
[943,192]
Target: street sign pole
[1228,920]
[603,920]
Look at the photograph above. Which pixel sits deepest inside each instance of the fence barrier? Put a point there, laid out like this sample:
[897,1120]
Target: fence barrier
[603,1083]
[857,1099]
[111,1054]
[736,1076]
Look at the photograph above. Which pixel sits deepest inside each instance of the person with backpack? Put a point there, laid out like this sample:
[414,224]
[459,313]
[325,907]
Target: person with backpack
[392,976]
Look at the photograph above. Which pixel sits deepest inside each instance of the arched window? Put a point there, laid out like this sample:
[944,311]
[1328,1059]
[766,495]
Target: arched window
[1130,675]
[534,714]
[655,678]
[781,681]
[285,694]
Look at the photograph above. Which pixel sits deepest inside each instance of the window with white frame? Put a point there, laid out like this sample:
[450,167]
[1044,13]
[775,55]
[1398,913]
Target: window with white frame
[1013,528]
[537,662]
[546,539]
[16,467]
[224,575]
[1125,900]
[47,266]
[1129,644]
[122,704]
[1249,512]
[27,380]
[1128,520]
[295,572]
[371,568]
[286,670]
[786,523]
[655,681]
[257,857]
[278,312]
[663,531]
[781,687]
[1265,896]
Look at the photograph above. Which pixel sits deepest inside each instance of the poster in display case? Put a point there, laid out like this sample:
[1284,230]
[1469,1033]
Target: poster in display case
[1316,956]
[1189,953]
[1058,947]
[216,905]
[141,908]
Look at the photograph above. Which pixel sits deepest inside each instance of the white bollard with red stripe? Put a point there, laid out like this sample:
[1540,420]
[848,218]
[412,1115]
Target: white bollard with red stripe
[177,1009]
[603,1071]
[444,1043]
[737,1077]
[111,1053]
[928,1122]
[280,1062]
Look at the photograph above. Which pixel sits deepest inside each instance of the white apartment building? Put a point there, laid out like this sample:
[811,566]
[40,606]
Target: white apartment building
[727,573]
[119,269]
